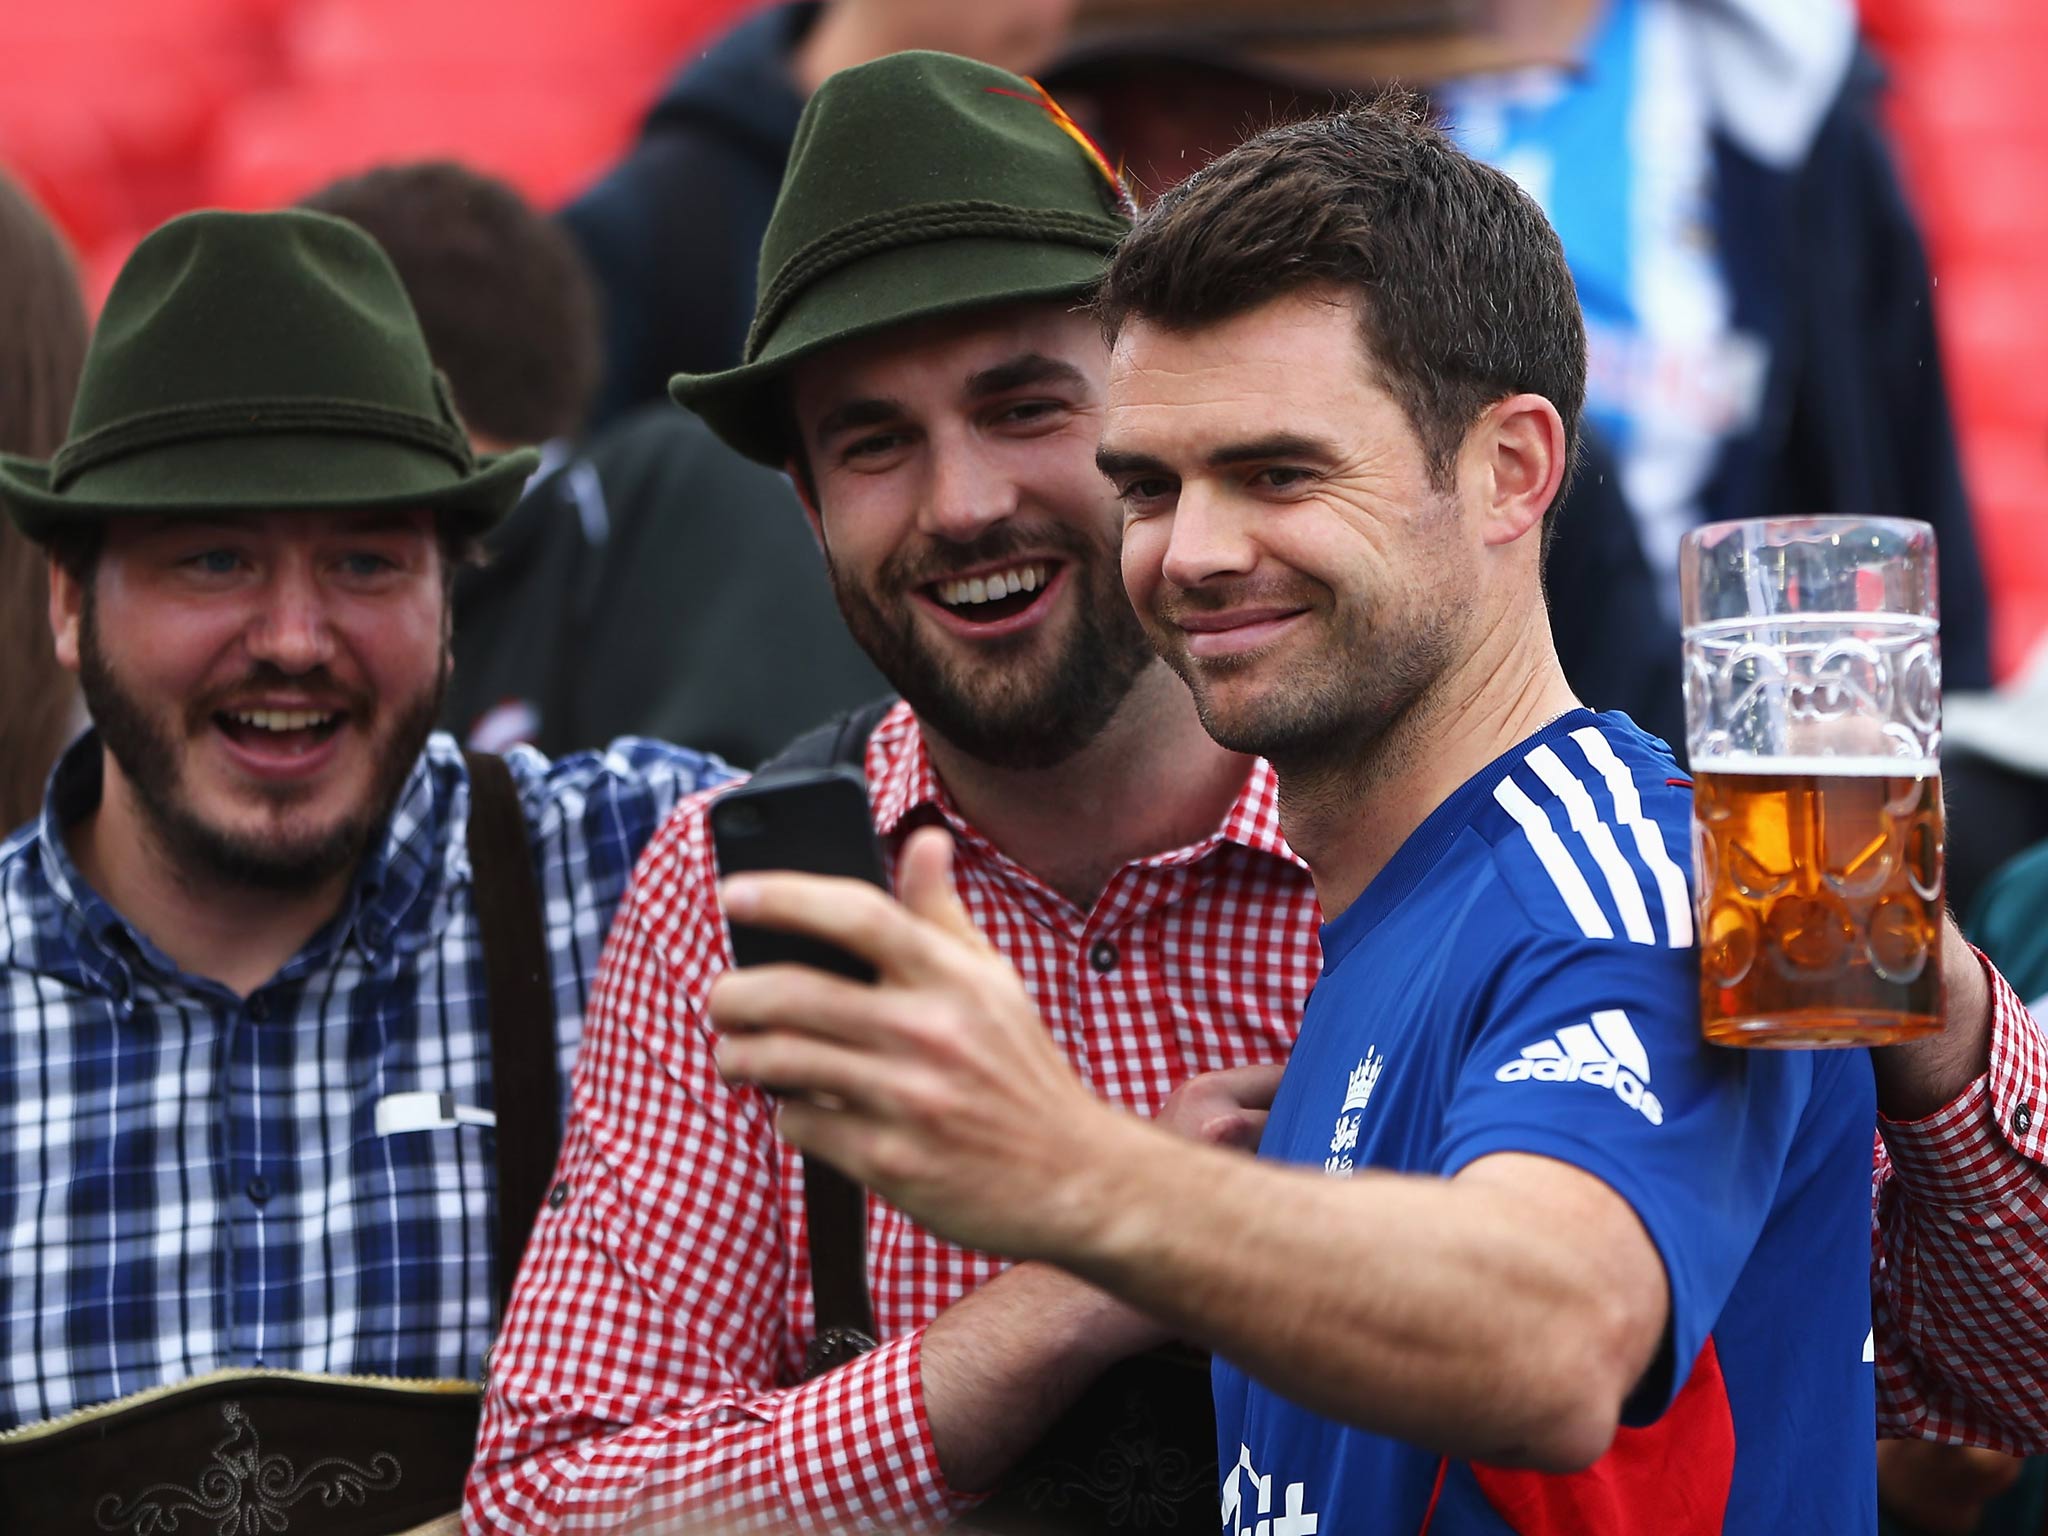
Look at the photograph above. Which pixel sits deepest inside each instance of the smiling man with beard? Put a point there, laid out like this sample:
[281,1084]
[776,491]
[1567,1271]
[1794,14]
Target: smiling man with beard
[263,769]
[246,1071]
[922,360]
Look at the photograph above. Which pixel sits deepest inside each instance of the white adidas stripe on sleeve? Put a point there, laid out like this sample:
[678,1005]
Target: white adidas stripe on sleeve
[1556,861]
[1621,1039]
[1598,837]
[1649,839]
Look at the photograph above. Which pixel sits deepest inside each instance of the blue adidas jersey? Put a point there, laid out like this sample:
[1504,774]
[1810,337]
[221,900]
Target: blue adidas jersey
[1521,977]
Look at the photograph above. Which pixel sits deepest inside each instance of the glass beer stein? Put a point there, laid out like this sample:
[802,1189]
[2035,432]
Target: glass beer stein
[1813,722]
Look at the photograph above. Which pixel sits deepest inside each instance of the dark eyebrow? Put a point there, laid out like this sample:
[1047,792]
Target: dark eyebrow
[1281,445]
[1113,462]
[854,414]
[1021,373]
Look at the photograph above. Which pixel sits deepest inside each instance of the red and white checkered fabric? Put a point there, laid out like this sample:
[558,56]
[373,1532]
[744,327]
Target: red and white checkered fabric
[663,1308]
[651,1362]
[1959,1253]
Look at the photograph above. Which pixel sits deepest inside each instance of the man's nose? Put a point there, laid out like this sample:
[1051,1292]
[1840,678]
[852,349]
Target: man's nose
[292,628]
[966,494]
[1209,539]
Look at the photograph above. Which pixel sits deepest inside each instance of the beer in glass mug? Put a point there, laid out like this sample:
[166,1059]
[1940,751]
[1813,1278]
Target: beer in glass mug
[1813,726]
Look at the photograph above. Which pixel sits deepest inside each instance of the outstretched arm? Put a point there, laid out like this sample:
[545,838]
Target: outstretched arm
[1503,1314]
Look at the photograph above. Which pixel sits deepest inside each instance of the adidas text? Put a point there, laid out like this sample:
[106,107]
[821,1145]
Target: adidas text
[1606,1053]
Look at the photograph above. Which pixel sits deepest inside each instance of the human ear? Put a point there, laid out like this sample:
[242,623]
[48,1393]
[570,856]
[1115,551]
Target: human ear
[1516,455]
[67,607]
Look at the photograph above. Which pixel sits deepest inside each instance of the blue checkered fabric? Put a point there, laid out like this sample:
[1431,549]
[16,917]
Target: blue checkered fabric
[190,1180]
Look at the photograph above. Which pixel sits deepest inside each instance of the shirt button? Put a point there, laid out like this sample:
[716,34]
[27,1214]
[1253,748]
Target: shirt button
[558,1195]
[2023,1118]
[258,1009]
[1102,955]
[259,1189]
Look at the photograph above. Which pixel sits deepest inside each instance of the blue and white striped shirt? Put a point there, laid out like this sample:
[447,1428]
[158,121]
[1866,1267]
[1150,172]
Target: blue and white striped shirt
[190,1180]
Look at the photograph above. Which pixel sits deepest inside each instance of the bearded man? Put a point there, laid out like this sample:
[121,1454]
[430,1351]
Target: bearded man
[246,1075]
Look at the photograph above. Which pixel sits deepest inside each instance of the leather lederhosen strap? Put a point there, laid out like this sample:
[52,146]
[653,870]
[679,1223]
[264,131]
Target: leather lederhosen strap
[520,999]
[835,1208]
[1136,1451]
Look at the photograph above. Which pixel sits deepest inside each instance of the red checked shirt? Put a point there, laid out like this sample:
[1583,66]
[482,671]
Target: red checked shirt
[652,1360]
[1959,1253]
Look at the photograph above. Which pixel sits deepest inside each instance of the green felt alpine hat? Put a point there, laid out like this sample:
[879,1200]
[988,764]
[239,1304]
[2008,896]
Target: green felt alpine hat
[259,361]
[920,184]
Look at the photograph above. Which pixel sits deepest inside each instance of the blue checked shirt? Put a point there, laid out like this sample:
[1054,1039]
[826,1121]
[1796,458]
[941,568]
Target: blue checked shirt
[190,1180]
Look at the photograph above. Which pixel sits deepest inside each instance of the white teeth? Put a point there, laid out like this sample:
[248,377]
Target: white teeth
[281,719]
[989,589]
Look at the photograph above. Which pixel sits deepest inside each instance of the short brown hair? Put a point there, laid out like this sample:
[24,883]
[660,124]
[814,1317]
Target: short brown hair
[507,306]
[1465,297]
[42,349]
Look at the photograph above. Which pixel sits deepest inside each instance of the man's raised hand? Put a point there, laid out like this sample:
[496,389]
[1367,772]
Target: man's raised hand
[937,1085]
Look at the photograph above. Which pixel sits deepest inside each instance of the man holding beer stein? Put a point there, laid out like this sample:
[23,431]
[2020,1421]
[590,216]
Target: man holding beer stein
[1522,1251]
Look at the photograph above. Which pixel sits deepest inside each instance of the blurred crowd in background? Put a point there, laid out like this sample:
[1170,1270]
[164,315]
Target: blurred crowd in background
[1803,236]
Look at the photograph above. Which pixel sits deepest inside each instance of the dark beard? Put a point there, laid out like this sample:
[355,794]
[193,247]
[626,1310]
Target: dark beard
[148,759]
[1020,719]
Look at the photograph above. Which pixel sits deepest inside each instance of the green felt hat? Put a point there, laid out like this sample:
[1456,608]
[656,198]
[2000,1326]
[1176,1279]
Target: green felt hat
[259,361]
[920,184]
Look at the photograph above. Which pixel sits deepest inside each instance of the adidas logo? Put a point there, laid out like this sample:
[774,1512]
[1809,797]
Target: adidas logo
[1606,1053]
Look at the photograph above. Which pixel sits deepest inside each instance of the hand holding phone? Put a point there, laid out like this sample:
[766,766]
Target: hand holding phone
[813,821]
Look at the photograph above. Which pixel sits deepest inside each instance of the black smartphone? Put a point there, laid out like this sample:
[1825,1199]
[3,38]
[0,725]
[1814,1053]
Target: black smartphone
[815,820]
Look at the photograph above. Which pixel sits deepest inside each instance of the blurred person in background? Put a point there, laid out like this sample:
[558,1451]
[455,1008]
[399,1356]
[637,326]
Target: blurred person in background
[673,232]
[1758,304]
[589,618]
[42,345]
[1994,777]
[2011,922]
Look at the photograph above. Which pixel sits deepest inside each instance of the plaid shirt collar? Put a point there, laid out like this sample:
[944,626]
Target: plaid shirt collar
[389,906]
[907,789]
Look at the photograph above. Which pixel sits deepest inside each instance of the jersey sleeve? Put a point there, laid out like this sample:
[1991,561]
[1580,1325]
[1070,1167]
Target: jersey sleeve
[1589,1052]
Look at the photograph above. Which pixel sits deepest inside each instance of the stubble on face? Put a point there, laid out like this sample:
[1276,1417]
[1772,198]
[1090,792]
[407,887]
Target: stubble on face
[1030,702]
[1330,708]
[148,746]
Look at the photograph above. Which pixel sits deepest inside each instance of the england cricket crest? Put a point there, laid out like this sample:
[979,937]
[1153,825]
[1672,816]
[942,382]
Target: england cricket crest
[1248,1501]
[1357,1094]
